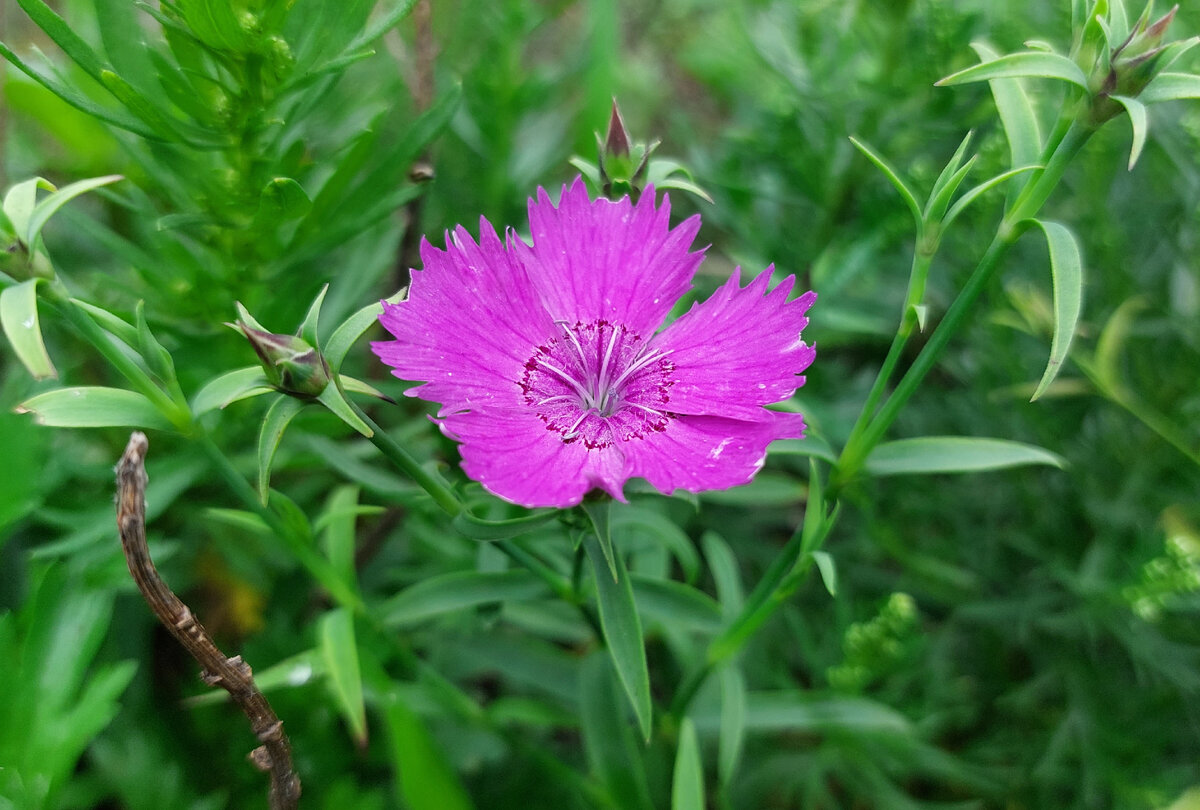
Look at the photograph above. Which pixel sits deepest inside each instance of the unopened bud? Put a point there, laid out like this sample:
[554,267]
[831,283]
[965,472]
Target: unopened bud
[290,363]
[622,160]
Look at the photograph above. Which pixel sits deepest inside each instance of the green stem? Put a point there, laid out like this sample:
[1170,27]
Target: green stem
[1028,203]
[430,481]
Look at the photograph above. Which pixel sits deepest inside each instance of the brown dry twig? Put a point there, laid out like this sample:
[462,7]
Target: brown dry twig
[233,675]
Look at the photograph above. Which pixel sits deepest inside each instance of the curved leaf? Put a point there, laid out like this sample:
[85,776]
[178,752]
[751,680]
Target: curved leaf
[1140,123]
[1029,64]
[229,388]
[279,415]
[687,783]
[1066,268]
[954,454]
[910,199]
[1171,87]
[1017,115]
[340,653]
[349,331]
[50,205]
[622,629]
[95,406]
[456,591]
[19,319]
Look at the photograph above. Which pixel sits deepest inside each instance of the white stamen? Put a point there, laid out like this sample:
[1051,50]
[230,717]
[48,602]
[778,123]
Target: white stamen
[602,382]
[567,378]
[571,434]
[640,364]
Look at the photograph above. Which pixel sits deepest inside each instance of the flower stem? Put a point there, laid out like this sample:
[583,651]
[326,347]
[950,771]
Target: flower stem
[428,480]
[869,429]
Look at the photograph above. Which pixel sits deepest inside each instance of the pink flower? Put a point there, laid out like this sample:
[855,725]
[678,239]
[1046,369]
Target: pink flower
[549,369]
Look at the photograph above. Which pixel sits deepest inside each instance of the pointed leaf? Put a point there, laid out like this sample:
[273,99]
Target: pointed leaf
[19,318]
[1030,64]
[338,537]
[459,590]
[312,320]
[612,752]
[1112,341]
[427,779]
[622,629]
[340,653]
[20,201]
[965,200]
[57,29]
[723,566]
[94,407]
[687,783]
[733,721]
[827,569]
[47,207]
[353,385]
[350,330]
[282,199]
[599,513]
[333,399]
[910,199]
[1066,268]
[1140,123]
[229,388]
[950,169]
[954,454]
[279,415]
[1171,87]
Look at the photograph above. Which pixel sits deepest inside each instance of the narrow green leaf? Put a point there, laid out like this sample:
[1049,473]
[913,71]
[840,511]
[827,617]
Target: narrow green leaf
[1017,114]
[1112,341]
[20,201]
[350,330]
[954,454]
[95,407]
[1140,123]
[1066,268]
[164,128]
[458,590]
[126,332]
[116,117]
[310,326]
[600,513]
[687,783]
[229,388]
[1029,64]
[342,511]
[676,605]
[156,356]
[828,570]
[1171,87]
[723,566]
[279,415]
[965,200]
[340,653]
[57,29]
[633,526]
[612,751]
[47,207]
[427,780]
[335,400]
[396,10]
[733,721]
[811,445]
[19,319]
[477,528]
[936,209]
[353,385]
[622,629]
[909,198]
[951,168]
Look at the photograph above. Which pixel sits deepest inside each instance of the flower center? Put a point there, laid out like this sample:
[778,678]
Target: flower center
[599,383]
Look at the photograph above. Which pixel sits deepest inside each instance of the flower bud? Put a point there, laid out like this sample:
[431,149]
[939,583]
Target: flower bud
[622,161]
[292,366]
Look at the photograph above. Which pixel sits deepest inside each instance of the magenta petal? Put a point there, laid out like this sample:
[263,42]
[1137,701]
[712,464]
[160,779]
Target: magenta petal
[597,260]
[469,323]
[515,457]
[739,350]
[699,453]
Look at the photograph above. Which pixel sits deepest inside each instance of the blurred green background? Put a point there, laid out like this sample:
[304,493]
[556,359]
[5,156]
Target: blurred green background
[1013,639]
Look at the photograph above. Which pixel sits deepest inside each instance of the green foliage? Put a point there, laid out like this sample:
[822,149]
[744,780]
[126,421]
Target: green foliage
[999,622]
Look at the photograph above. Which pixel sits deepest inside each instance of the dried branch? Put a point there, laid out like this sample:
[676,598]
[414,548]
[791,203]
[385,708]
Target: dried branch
[233,675]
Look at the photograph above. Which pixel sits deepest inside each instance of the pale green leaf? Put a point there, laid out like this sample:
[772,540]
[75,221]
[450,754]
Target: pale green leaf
[1030,64]
[19,319]
[687,783]
[95,407]
[622,629]
[1140,123]
[270,434]
[459,590]
[909,198]
[340,653]
[1066,268]
[954,454]
[229,388]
